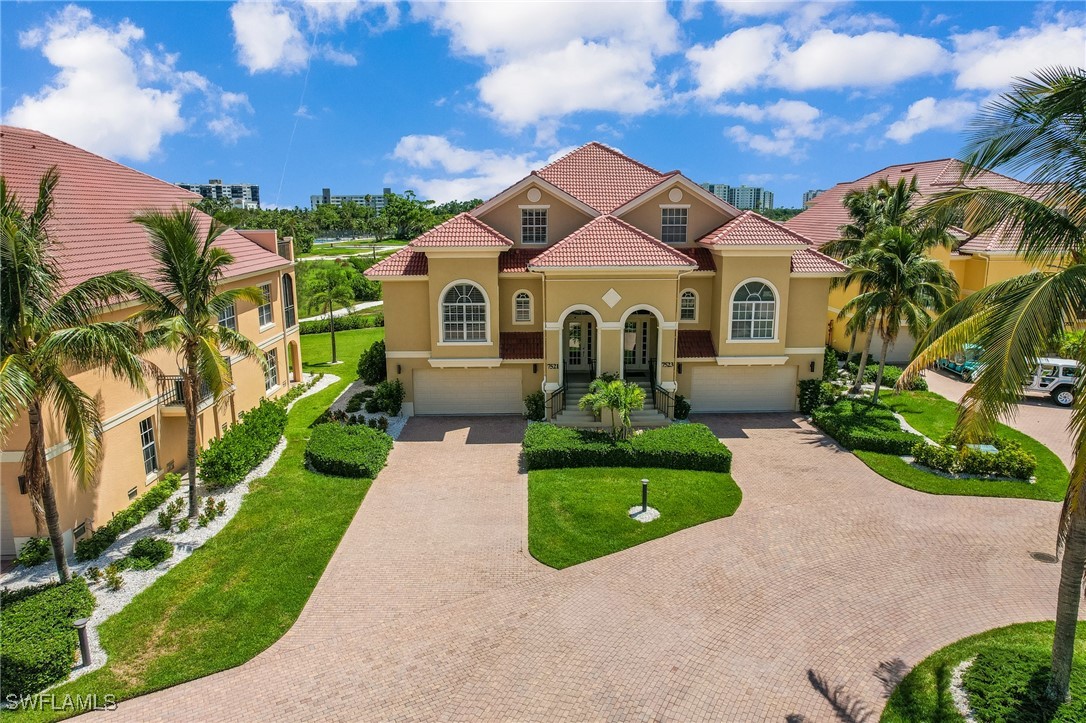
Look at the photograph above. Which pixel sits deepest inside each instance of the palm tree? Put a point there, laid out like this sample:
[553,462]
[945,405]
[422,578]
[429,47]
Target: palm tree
[328,288]
[182,312]
[47,333]
[900,284]
[1036,128]
[617,396]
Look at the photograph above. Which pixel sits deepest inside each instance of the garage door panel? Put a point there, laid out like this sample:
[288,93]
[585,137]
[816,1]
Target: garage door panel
[467,391]
[743,389]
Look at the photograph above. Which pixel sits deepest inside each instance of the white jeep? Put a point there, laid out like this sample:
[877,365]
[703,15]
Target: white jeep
[1058,378]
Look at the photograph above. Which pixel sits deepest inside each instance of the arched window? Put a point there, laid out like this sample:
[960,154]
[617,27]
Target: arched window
[288,300]
[688,306]
[463,314]
[522,308]
[754,308]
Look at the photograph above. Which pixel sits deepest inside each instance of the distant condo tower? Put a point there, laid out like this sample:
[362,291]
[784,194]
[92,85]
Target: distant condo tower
[748,198]
[240,195]
[376,201]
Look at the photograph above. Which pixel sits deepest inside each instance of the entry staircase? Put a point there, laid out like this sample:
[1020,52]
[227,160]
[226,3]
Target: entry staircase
[571,416]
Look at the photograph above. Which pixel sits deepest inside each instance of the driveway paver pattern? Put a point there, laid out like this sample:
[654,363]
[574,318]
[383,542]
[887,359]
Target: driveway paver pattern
[814,598]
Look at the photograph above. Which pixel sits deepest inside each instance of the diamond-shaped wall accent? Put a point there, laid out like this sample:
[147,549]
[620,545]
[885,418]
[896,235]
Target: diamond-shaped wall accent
[611,298]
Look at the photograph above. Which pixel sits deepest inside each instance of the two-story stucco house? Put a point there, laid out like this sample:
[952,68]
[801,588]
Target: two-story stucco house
[145,432]
[597,263]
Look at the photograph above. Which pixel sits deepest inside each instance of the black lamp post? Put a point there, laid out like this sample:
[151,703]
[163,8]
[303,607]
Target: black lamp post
[644,495]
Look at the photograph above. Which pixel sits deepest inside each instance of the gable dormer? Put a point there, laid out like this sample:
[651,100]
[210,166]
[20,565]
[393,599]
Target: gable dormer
[534,213]
[677,211]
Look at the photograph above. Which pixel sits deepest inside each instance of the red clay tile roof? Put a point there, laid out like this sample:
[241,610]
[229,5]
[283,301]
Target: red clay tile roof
[94,203]
[703,258]
[609,241]
[404,262]
[461,230]
[752,229]
[822,220]
[810,261]
[516,260]
[695,344]
[520,345]
[600,177]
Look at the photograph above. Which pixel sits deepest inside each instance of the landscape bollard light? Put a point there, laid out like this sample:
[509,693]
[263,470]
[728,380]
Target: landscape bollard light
[644,495]
[84,642]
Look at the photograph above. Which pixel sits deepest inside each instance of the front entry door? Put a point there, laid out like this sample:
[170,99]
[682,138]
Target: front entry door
[635,345]
[580,334]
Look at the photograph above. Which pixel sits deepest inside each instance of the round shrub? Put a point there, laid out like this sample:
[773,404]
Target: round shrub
[371,365]
[682,407]
[149,551]
[34,551]
[535,408]
[347,451]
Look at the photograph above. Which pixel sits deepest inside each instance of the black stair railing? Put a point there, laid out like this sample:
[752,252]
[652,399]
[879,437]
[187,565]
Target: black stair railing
[556,402]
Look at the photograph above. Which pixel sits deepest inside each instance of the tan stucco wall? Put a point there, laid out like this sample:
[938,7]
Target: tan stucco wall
[734,271]
[701,216]
[407,315]
[483,272]
[703,287]
[508,287]
[806,327]
[562,218]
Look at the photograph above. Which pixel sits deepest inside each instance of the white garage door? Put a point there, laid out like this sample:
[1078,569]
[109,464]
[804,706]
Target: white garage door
[468,391]
[900,352]
[743,389]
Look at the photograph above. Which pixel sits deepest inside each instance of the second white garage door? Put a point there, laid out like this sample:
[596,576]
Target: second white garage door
[468,391]
[743,389]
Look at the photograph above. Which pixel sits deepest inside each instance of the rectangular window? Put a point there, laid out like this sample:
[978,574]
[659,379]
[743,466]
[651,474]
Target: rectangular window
[266,308]
[688,307]
[271,376]
[673,225]
[752,320]
[147,441]
[229,318]
[533,225]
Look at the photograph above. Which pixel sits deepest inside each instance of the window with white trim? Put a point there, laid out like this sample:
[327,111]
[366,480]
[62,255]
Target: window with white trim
[266,316]
[522,308]
[271,374]
[673,225]
[463,314]
[688,306]
[147,442]
[754,307]
[228,317]
[533,225]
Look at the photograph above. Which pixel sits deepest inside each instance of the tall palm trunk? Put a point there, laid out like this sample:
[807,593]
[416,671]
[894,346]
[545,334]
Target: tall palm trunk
[858,384]
[882,365]
[44,484]
[332,328]
[191,404]
[1067,603]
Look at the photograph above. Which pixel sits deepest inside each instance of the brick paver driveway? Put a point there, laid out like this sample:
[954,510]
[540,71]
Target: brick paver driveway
[812,599]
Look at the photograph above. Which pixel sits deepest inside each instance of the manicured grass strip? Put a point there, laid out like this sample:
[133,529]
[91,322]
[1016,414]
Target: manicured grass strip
[1004,683]
[935,416]
[317,350]
[575,515]
[239,592]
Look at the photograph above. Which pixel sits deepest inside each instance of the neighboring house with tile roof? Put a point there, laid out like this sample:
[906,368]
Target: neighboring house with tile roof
[144,432]
[976,262]
[597,263]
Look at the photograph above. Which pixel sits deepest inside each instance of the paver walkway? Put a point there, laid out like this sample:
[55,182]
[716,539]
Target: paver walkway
[824,587]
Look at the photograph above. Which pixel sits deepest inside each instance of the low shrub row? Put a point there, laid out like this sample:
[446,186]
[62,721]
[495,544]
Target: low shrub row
[347,450]
[343,323]
[127,518]
[815,393]
[1010,461]
[298,390]
[861,425]
[243,446]
[679,446]
[890,375]
[38,646]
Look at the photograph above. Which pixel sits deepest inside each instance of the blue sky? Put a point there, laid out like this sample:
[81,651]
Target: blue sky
[459,100]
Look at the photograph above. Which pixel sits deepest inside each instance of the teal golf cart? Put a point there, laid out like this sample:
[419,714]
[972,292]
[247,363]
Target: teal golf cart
[965,363]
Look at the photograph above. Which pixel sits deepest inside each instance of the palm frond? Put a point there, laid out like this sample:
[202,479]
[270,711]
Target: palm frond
[82,422]
[17,390]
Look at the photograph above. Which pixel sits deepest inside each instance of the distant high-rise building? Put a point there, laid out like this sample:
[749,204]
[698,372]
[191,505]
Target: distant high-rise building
[376,201]
[241,195]
[754,198]
[809,195]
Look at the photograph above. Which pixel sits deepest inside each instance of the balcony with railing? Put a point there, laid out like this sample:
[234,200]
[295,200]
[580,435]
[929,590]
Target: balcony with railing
[171,394]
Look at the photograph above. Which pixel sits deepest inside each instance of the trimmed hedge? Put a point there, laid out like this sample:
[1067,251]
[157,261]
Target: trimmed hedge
[861,425]
[347,450]
[1010,461]
[679,446]
[343,323]
[38,646]
[243,446]
[815,393]
[108,533]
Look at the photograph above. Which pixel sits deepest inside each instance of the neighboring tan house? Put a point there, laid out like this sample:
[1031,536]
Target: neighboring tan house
[597,263]
[145,433]
[976,262]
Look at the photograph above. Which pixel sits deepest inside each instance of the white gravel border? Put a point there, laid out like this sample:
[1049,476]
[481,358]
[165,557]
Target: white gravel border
[395,424]
[110,602]
[957,691]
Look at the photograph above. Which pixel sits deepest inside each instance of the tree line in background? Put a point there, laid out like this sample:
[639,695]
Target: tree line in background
[403,217]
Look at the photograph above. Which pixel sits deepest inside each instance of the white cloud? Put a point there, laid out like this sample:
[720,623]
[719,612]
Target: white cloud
[774,146]
[735,62]
[267,37]
[986,61]
[462,173]
[930,114]
[113,96]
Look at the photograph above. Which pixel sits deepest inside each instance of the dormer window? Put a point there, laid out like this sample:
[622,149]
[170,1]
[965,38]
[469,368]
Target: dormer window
[673,225]
[533,225]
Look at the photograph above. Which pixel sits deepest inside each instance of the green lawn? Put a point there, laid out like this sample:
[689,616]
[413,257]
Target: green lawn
[575,515]
[1010,670]
[317,350]
[239,592]
[934,416]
